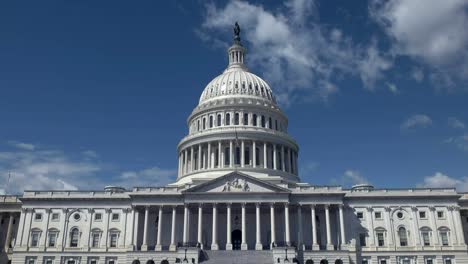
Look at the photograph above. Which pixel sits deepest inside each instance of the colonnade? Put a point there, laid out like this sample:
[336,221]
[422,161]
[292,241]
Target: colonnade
[258,222]
[9,229]
[239,153]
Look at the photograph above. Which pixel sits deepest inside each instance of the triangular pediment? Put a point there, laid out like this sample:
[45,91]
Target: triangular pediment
[236,182]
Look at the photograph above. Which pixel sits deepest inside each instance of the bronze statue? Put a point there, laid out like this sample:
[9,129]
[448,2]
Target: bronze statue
[236,32]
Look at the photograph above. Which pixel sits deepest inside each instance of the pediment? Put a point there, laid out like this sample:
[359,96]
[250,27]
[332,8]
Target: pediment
[236,182]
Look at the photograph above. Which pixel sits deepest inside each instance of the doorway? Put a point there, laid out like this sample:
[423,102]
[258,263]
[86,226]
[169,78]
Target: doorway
[236,239]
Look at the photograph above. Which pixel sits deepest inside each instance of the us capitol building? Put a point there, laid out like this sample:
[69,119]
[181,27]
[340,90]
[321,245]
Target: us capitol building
[238,198]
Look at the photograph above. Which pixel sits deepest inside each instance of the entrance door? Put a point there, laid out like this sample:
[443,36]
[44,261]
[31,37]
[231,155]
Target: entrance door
[236,237]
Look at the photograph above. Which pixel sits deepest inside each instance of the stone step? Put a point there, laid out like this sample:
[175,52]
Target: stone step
[236,257]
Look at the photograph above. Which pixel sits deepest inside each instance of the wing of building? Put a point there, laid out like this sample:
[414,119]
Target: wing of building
[238,198]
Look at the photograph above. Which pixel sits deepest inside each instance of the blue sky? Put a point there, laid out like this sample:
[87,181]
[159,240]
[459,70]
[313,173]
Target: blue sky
[98,93]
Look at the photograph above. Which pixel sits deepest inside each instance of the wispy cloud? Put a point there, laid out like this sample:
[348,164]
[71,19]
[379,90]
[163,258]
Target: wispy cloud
[393,88]
[456,123]
[22,145]
[300,57]
[460,142]
[154,176]
[354,177]
[441,180]
[416,121]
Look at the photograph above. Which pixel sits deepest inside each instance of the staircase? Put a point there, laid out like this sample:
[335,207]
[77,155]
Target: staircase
[236,257]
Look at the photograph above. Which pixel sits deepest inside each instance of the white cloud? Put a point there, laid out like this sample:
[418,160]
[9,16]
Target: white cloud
[417,74]
[415,121]
[456,123]
[354,177]
[300,57]
[440,180]
[430,31]
[459,141]
[22,145]
[393,88]
[154,176]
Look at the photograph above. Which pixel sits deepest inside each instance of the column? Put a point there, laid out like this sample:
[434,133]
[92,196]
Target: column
[228,228]
[327,223]
[272,224]
[315,246]
[286,224]
[214,239]
[258,244]
[172,247]
[231,154]
[416,234]
[288,161]
[158,238]
[199,156]
[200,223]
[192,162]
[178,166]
[274,158]
[370,227]
[135,229]
[209,162]
[242,154]
[283,168]
[43,241]
[453,229]
[144,247]
[342,226]
[106,230]
[458,225]
[220,162]
[388,225]
[265,156]
[8,234]
[244,230]
[186,162]
[300,239]
[434,225]
[254,154]
[293,162]
[185,231]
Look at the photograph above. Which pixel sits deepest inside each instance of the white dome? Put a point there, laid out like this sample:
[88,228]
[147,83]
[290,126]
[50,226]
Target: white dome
[237,82]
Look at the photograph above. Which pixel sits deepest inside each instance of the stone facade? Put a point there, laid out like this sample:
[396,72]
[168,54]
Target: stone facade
[238,190]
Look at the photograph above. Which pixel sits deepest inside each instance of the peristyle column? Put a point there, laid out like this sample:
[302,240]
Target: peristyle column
[144,247]
[228,228]
[258,244]
[327,222]
[286,224]
[200,222]
[272,224]
[315,246]
[158,238]
[214,239]
[173,247]
[244,230]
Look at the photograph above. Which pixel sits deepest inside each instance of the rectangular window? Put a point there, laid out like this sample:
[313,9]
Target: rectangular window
[111,261]
[429,261]
[52,239]
[360,215]
[98,217]
[31,261]
[37,217]
[55,217]
[448,261]
[34,239]
[48,261]
[426,239]
[95,241]
[115,217]
[422,214]
[440,214]
[383,261]
[362,239]
[93,261]
[380,239]
[113,240]
[378,215]
[364,261]
[71,261]
[444,238]
[406,261]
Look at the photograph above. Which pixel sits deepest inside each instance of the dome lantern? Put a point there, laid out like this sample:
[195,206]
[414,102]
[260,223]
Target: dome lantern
[236,52]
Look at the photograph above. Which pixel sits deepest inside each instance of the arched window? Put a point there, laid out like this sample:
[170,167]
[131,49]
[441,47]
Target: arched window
[113,237]
[35,236]
[198,125]
[247,155]
[136,261]
[257,156]
[263,121]
[204,123]
[324,261]
[52,237]
[269,123]
[403,236]
[237,159]
[218,120]
[96,234]
[444,235]
[150,261]
[338,261]
[246,119]
[426,235]
[228,119]
[276,124]
[254,120]
[309,261]
[211,121]
[165,262]
[216,160]
[74,237]
[236,119]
